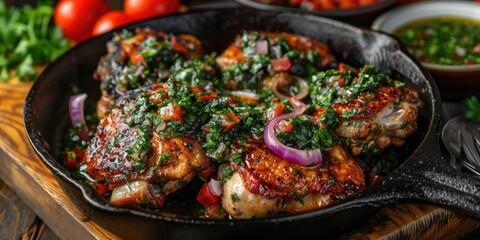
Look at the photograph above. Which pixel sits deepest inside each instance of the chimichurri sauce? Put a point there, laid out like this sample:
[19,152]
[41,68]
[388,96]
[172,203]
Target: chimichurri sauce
[446,40]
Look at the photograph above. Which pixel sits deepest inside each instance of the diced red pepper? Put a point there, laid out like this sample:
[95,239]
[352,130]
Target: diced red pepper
[207,172]
[281,64]
[229,120]
[73,161]
[341,82]
[177,46]
[177,114]
[206,197]
[101,188]
[207,97]
[288,128]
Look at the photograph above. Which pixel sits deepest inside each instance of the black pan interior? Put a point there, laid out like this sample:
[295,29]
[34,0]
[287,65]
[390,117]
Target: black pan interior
[46,112]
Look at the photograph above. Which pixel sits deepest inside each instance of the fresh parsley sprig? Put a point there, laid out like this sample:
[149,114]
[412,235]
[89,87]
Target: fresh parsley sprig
[28,38]
[473,107]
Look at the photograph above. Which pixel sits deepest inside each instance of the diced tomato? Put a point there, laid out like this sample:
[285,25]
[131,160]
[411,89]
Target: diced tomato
[137,58]
[207,97]
[342,67]
[207,172]
[177,46]
[279,108]
[229,120]
[195,90]
[348,4]
[101,188]
[206,197]
[177,114]
[341,82]
[288,128]
[74,157]
[281,64]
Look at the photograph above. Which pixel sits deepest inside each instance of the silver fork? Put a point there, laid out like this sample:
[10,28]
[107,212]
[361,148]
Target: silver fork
[471,145]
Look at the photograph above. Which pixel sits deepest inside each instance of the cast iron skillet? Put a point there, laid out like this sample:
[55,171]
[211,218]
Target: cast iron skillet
[424,176]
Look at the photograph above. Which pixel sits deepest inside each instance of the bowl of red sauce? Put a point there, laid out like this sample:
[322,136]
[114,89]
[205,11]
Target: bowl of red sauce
[445,37]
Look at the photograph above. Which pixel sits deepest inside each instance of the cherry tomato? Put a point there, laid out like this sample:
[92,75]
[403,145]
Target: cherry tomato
[109,21]
[142,9]
[77,17]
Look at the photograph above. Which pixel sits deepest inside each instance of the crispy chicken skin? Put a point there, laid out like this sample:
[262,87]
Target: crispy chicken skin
[277,185]
[388,116]
[109,157]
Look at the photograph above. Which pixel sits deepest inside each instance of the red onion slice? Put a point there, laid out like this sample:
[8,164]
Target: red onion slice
[76,104]
[297,156]
[215,187]
[261,47]
[301,82]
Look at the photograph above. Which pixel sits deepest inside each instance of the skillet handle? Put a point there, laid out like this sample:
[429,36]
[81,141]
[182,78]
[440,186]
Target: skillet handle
[427,177]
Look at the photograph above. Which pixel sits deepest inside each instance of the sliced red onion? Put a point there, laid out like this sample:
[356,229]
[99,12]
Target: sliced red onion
[303,84]
[261,47]
[76,104]
[300,157]
[215,187]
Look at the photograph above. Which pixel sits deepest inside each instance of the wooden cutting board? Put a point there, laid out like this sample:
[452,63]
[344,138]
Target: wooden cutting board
[71,218]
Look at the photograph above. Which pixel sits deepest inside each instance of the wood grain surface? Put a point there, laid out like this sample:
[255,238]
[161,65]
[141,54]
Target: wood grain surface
[15,216]
[71,218]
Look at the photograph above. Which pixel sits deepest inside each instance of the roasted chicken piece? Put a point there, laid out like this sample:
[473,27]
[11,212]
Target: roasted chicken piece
[138,60]
[375,112]
[268,184]
[136,161]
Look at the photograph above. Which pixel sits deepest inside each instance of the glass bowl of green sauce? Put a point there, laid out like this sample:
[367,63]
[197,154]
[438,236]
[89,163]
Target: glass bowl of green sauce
[445,37]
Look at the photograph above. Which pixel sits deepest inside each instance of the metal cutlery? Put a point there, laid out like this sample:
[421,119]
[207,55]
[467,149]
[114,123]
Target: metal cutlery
[461,135]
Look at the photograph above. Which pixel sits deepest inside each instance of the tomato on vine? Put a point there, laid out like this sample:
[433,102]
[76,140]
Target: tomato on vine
[77,17]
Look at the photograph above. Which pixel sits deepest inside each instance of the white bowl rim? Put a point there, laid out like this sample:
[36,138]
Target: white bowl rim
[377,25]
